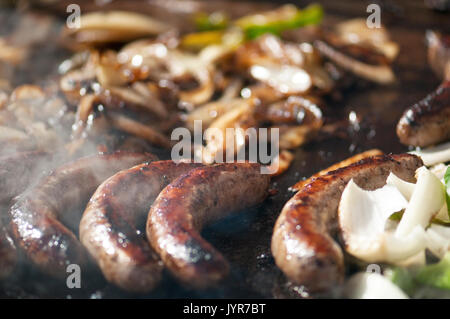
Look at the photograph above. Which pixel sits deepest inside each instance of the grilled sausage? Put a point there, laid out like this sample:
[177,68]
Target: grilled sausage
[18,170]
[44,218]
[16,173]
[348,161]
[303,240]
[192,201]
[428,121]
[109,228]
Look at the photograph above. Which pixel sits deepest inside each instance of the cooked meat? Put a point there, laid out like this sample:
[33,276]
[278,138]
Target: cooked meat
[346,162]
[112,226]
[303,241]
[193,200]
[428,121]
[44,218]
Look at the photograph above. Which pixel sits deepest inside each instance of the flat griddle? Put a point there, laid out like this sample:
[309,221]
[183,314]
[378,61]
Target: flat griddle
[245,238]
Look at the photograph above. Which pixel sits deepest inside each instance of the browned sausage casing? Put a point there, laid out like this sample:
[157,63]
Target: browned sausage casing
[16,173]
[193,200]
[109,228]
[44,218]
[428,121]
[303,243]
[348,161]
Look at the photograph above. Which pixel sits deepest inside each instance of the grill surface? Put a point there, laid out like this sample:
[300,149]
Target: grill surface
[245,238]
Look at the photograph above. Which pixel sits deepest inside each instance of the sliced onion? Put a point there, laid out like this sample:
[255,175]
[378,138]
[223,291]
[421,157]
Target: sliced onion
[443,214]
[208,112]
[364,213]
[362,218]
[356,31]
[133,127]
[438,240]
[399,249]
[180,64]
[382,74]
[12,135]
[427,199]
[142,97]
[286,79]
[439,170]
[434,155]
[404,187]
[366,285]
[217,139]
[417,260]
[115,26]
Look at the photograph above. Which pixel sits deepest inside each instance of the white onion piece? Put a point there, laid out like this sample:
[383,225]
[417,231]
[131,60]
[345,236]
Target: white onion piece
[11,134]
[356,31]
[365,213]
[287,79]
[434,155]
[181,63]
[362,218]
[404,187]
[439,170]
[427,200]
[122,21]
[417,260]
[438,240]
[230,41]
[212,53]
[443,214]
[398,249]
[366,285]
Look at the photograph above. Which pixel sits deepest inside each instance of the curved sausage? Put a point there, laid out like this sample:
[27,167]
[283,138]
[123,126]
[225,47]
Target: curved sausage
[428,121]
[192,201]
[348,161]
[18,170]
[303,243]
[44,218]
[109,228]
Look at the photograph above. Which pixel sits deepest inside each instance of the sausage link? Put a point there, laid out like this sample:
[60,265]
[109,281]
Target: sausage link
[303,241]
[428,121]
[192,201]
[348,161]
[17,171]
[44,218]
[110,226]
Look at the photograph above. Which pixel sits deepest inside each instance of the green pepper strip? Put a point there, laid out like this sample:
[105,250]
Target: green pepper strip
[212,22]
[310,15]
[435,275]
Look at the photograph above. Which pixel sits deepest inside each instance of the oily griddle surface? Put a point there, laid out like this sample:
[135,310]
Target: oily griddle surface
[245,238]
